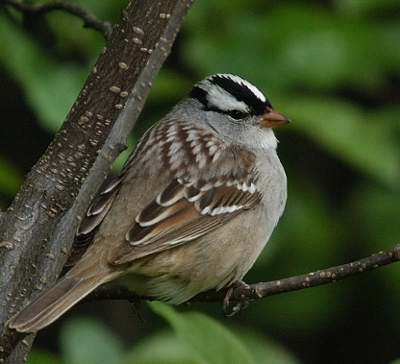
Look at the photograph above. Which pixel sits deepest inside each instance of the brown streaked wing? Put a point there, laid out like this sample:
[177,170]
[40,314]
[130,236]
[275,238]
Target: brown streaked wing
[94,217]
[195,212]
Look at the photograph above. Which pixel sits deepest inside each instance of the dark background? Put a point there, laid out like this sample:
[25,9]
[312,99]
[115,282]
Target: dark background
[334,68]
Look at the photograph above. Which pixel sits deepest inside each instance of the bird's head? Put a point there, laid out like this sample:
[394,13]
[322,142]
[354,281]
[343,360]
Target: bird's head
[231,99]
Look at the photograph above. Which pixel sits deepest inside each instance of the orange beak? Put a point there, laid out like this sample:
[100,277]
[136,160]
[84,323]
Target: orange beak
[273,119]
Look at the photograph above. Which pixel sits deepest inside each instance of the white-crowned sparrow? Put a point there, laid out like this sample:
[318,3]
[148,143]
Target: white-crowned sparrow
[192,209]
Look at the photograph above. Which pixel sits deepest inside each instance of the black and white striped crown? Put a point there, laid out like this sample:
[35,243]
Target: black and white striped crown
[225,93]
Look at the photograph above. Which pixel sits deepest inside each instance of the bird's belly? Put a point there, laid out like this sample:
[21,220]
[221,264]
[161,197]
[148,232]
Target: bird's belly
[210,262]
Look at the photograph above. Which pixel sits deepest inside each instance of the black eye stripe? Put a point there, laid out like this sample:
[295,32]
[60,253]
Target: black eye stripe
[236,114]
[242,93]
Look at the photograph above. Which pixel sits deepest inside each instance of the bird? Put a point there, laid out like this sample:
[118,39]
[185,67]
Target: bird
[190,211]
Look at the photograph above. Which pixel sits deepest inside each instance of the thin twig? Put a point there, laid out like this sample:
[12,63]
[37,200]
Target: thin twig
[89,20]
[260,290]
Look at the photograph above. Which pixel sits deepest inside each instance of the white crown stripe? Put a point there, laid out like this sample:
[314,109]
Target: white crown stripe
[225,101]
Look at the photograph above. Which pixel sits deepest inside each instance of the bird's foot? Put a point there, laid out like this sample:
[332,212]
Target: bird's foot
[232,307]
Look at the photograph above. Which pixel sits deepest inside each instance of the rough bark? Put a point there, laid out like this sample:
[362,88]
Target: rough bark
[37,230]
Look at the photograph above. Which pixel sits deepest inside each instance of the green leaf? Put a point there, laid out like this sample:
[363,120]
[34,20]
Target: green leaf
[293,46]
[209,341]
[110,10]
[353,135]
[263,350]
[41,357]
[49,87]
[166,348]
[377,210]
[364,7]
[10,178]
[89,342]
[162,89]
[163,348]
[123,157]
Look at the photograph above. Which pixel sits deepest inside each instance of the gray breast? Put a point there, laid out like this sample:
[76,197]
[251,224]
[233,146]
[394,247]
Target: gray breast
[273,184]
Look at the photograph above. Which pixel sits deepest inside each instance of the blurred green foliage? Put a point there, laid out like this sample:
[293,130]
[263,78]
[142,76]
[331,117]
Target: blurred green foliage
[334,68]
[194,339]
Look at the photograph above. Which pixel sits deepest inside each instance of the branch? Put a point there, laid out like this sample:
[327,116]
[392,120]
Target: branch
[38,228]
[89,20]
[256,291]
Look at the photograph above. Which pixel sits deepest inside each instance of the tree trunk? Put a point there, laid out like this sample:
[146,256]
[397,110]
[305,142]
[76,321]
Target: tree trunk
[37,230]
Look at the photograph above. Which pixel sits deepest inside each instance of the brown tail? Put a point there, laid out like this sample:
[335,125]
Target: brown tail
[49,306]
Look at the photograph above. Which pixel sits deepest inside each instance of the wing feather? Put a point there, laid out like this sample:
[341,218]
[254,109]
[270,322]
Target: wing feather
[188,213]
[94,217]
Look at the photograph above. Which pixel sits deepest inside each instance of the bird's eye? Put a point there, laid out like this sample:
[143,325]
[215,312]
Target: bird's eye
[236,114]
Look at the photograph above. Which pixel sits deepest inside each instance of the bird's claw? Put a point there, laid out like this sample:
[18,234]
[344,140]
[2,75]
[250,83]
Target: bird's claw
[230,307]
